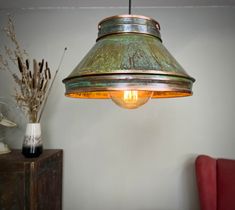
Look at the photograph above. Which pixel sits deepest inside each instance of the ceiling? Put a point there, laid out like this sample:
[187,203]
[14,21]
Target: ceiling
[10,4]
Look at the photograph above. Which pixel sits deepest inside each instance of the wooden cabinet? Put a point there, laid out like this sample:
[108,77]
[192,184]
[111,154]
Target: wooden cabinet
[31,183]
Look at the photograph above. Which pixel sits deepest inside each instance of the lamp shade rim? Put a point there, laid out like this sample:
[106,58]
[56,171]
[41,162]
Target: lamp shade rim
[129,16]
[133,73]
[121,24]
[99,86]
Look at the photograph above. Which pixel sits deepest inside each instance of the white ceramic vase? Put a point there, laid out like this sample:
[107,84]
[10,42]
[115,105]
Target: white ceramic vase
[32,144]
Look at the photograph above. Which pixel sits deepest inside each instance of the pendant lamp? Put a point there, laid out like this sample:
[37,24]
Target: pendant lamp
[128,64]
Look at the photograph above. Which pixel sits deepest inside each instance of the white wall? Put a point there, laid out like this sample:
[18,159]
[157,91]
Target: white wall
[141,159]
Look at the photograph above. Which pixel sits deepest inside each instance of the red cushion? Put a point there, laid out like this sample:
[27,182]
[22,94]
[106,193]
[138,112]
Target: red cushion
[226,184]
[206,182]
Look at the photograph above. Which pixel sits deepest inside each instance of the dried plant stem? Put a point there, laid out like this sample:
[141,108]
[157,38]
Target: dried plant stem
[33,85]
[49,90]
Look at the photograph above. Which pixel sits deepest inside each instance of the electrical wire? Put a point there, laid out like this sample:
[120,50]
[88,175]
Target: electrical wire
[129,7]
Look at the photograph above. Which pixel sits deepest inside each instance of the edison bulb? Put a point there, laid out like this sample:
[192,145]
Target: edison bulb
[130,99]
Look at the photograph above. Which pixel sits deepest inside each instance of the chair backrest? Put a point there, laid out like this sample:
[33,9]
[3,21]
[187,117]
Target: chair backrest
[226,184]
[206,182]
[216,183]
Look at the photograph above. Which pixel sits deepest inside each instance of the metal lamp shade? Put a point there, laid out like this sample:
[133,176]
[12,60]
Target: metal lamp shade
[128,55]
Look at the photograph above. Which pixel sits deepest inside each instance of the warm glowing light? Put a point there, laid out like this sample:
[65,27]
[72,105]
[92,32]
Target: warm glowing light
[130,96]
[130,99]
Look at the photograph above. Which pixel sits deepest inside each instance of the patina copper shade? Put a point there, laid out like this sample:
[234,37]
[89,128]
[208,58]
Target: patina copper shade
[128,55]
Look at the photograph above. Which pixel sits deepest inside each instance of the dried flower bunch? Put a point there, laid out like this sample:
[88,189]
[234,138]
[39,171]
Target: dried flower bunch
[32,81]
[33,87]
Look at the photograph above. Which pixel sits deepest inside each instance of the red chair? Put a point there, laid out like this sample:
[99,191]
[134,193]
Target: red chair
[216,183]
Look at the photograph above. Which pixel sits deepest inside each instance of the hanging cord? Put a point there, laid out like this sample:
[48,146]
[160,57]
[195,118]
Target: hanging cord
[129,7]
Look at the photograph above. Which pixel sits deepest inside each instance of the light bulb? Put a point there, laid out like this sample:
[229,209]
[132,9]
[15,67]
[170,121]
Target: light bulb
[130,99]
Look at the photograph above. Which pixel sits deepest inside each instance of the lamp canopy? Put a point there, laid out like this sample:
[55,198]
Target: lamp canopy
[128,56]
